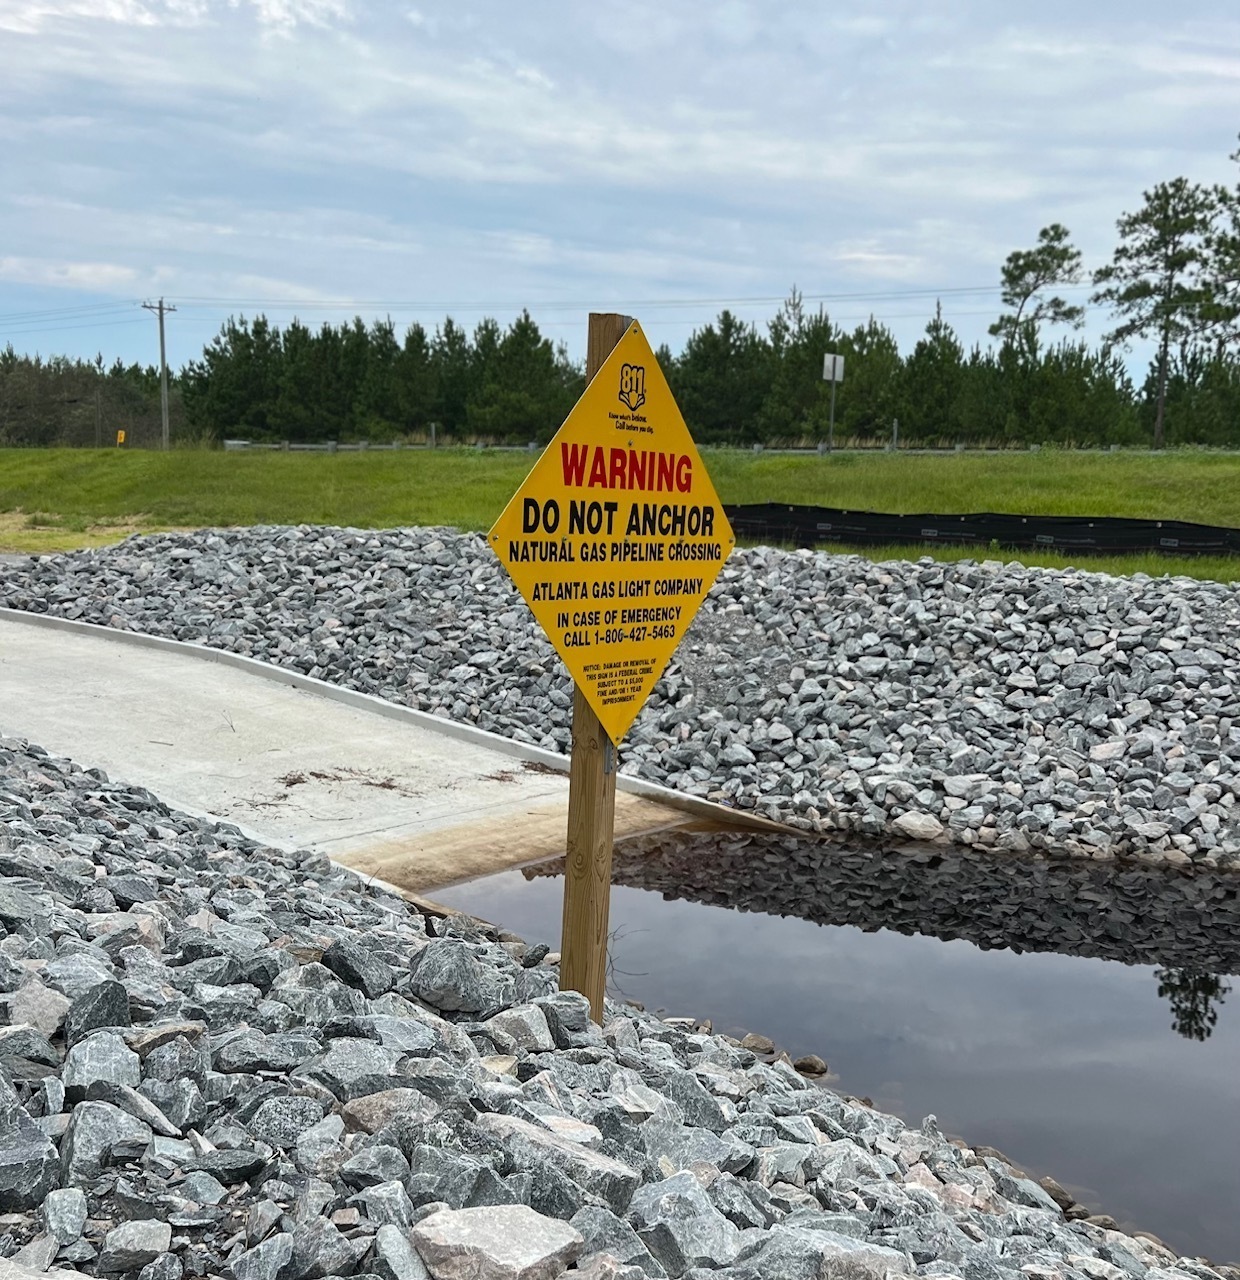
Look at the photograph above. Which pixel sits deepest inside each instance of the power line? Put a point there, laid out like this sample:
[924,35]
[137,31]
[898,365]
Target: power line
[62,328]
[66,313]
[87,312]
[195,301]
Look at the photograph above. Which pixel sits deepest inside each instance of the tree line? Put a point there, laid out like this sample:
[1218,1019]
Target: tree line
[1173,281]
[59,401]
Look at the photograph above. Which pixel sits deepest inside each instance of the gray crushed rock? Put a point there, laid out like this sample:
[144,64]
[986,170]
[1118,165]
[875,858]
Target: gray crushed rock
[980,704]
[287,1123]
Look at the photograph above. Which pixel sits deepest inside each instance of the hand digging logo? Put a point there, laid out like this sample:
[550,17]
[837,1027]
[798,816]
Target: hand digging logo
[633,386]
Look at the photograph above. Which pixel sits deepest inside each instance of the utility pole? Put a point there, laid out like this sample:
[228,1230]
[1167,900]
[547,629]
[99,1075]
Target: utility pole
[160,308]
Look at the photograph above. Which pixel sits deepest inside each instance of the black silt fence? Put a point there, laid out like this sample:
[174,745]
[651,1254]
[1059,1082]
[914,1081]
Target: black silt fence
[1104,535]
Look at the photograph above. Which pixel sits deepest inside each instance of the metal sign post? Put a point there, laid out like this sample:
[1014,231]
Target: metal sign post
[832,372]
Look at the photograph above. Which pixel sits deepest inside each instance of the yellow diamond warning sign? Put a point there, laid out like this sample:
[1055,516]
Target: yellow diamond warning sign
[617,534]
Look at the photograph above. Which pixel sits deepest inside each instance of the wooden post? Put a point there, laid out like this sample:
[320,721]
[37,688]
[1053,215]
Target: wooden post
[591,798]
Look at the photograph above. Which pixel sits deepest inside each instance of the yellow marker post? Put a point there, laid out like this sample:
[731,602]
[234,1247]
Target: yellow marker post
[120,439]
[614,539]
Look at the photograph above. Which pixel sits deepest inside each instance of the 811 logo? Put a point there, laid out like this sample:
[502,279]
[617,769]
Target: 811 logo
[632,386]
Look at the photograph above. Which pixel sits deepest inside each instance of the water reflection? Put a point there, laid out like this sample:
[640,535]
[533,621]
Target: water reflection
[1191,993]
[1039,1029]
[1188,924]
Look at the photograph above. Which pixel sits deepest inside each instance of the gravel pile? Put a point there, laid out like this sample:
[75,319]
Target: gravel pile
[1133,915]
[224,1060]
[985,704]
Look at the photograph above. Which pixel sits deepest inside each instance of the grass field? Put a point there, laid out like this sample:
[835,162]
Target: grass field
[60,499]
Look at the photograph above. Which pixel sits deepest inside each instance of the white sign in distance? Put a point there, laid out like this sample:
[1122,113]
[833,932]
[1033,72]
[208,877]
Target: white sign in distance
[833,368]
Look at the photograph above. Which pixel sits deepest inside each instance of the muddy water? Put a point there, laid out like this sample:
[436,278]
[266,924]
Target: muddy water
[1074,1015]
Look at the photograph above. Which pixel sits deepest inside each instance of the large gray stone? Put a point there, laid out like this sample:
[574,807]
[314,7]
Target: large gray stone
[602,1266]
[443,1174]
[103,1055]
[95,1129]
[798,1253]
[168,1266]
[281,1121]
[76,973]
[352,1068]
[64,1214]
[132,1245]
[918,826]
[181,1101]
[28,1160]
[321,1249]
[605,1233]
[509,1242]
[700,1107]
[371,1113]
[175,1051]
[676,1146]
[254,1052]
[268,1260]
[353,964]
[202,1188]
[386,1204]
[25,1041]
[29,1165]
[136,1104]
[448,976]
[230,1166]
[527,1026]
[319,1149]
[374,1165]
[40,1006]
[18,907]
[607,1181]
[38,1254]
[129,890]
[678,1224]
[395,1257]
[104,1005]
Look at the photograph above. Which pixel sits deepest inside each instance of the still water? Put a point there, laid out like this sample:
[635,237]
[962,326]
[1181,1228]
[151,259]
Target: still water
[1072,1015]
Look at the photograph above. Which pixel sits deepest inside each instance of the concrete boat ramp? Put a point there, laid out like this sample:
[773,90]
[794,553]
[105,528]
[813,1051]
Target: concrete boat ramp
[415,800]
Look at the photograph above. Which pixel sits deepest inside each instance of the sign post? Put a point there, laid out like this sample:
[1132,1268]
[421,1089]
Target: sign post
[591,796]
[614,539]
[832,372]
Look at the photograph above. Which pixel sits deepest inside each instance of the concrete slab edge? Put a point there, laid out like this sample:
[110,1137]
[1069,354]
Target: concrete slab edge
[699,808]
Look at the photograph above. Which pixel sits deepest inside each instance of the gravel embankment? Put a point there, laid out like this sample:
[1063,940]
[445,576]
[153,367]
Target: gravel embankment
[982,704]
[222,1060]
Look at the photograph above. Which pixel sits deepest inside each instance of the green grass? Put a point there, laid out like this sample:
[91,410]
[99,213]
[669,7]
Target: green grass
[1169,486]
[56,499]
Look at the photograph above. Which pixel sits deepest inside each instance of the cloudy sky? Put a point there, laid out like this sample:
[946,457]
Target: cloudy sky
[328,157]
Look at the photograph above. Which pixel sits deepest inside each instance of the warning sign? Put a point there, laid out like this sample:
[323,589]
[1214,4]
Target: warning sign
[617,534]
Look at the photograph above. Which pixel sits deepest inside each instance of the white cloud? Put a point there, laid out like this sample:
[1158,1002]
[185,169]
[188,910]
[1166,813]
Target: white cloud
[625,151]
[285,15]
[90,277]
[28,17]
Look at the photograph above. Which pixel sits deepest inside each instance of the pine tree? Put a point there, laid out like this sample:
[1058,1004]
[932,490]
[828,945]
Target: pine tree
[932,380]
[722,379]
[1027,275]
[1154,280]
[1222,268]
